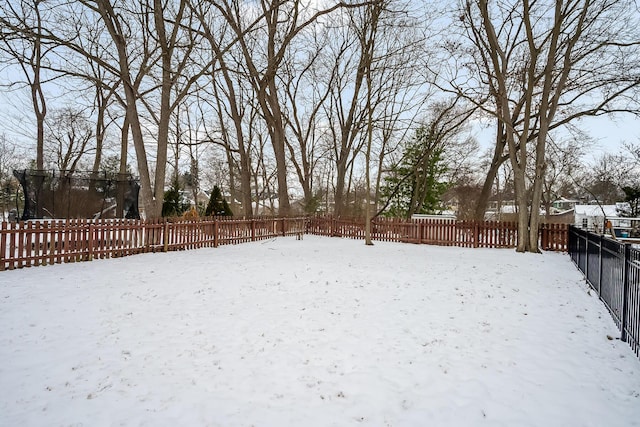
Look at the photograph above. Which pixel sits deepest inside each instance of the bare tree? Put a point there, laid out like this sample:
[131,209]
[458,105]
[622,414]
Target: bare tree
[69,135]
[367,38]
[9,159]
[276,23]
[21,39]
[544,64]
[230,98]
[306,80]
[564,163]
[153,43]
[344,111]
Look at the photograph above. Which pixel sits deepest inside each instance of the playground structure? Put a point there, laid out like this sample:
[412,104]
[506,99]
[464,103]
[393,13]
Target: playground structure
[64,195]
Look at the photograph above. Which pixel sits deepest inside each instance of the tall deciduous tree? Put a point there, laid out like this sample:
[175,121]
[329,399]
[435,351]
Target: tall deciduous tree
[69,136]
[21,39]
[277,24]
[152,41]
[543,64]
[229,101]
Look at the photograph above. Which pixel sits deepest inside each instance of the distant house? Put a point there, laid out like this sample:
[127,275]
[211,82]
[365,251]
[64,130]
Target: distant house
[504,211]
[562,205]
[592,217]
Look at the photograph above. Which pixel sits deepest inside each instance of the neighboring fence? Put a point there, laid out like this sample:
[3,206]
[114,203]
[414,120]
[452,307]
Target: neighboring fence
[612,269]
[33,243]
[446,232]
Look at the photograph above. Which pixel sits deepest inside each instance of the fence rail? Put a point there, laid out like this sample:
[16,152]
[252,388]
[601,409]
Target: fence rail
[612,269]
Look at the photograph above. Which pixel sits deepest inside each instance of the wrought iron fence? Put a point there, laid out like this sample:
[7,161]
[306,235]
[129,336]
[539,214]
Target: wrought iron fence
[612,269]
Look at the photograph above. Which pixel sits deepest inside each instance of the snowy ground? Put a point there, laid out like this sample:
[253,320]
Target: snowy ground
[318,332]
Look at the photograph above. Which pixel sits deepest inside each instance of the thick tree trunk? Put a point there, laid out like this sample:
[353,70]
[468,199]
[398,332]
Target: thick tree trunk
[497,161]
[41,112]
[100,129]
[146,194]
[523,218]
[341,174]
[284,207]
[165,108]
[274,120]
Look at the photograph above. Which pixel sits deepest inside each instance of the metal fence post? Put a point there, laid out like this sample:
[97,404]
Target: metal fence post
[584,254]
[625,291]
[586,261]
[600,239]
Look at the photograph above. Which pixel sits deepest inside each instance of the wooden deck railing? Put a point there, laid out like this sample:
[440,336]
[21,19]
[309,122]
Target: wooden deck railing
[44,242]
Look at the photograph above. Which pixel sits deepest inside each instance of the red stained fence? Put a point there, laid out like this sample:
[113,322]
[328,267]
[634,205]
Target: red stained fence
[34,243]
[444,232]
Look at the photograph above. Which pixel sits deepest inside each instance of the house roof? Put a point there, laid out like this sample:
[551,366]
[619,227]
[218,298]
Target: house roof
[596,210]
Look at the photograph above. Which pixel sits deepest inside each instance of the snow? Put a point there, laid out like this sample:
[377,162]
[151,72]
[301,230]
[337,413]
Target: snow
[596,210]
[317,332]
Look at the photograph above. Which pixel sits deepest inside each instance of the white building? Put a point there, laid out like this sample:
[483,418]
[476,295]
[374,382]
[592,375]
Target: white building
[592,217]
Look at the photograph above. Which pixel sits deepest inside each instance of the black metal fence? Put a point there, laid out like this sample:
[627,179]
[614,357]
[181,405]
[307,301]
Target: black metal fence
[612,269]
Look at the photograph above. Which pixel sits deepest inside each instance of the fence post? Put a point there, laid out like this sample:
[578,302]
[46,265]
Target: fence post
[3,245]
[215,232]
[90,243]
[165,236]
[586,261]
[476,234]
[253,230]
[284,227]
[625,291]
[583,250]
[600,239]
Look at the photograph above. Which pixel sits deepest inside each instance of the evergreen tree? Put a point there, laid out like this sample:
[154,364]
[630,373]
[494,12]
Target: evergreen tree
[414,184]
[217,205]
[632,196]
[174,203]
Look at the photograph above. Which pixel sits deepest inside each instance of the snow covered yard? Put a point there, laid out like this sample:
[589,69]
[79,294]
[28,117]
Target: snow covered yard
[318,332]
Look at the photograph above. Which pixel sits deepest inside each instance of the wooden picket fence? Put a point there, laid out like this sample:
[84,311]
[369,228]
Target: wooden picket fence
[445,232]
[44,242]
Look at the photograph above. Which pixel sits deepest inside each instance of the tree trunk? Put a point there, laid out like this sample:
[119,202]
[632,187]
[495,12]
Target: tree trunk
[338,201]
[497,161]
[166,49]
[101,103]
[523,216]
[41,111]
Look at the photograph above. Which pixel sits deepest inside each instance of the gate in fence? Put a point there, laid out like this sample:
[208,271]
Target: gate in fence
[612,269]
